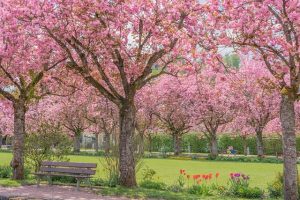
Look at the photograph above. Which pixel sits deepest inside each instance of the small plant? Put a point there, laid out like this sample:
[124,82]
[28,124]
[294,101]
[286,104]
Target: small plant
[98,182]
[203,189]
[110,164]
[239,186]
[250,193]
[5,171]
[153,185]
[64,179]
[175,188]
[181,178]
[275,190]
[148,174]
[238,179]
[48,142]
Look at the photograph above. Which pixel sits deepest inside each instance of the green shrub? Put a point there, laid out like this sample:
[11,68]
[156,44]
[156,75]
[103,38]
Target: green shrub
[27,172]
[247,159]
[191,142]
[98,182]
[175,188]
[239,187]
[181,180]
[275,189]
[49,143]
[148,174]
[110,165]
[64,179]
[236,182]
[250,193]
[200,190]
[153,185]
[5,171]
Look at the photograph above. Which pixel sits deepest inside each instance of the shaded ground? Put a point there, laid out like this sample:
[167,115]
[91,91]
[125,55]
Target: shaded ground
[46,192]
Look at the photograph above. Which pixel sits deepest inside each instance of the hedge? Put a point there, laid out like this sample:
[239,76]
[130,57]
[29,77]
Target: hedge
[193,143]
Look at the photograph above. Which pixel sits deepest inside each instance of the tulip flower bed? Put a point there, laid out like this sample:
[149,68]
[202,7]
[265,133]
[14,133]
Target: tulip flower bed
[206,184]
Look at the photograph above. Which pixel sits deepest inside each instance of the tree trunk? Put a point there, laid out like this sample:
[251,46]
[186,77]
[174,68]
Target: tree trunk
[0,140]
[150,144]
[97,142]
[287,118]
[245,146]
[141,143]
[213,145]
[259,144]
[17,162]
[77,138]
[177,144]
[127,114]
[106,142]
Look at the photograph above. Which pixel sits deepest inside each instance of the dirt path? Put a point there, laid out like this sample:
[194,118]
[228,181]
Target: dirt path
[52,192]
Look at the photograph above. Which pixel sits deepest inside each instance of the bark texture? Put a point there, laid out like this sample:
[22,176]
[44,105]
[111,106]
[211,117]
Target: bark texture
[0,140]
[259,144]
[127,114]
[17,162]
[287,117]
[150,143]
[177,144]
[141,143]
[97,142]
[213,145]
[77,138]
[106,142]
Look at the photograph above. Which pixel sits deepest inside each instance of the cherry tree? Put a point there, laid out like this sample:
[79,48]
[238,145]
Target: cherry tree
[147,125]
[260,98]
[214,103]
[26,59]
[6,120]
[73,114]
[113,46]
[103,116]
[238,127]
[269,29]
[171,108]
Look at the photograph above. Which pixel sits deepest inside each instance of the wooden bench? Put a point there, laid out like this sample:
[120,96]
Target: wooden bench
[71,169]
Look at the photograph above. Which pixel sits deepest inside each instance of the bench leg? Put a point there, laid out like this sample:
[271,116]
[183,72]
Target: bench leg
[78,184]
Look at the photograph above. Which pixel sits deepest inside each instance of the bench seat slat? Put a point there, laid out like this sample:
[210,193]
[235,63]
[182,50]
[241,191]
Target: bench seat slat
[68,170]
[69,164]
[59,174]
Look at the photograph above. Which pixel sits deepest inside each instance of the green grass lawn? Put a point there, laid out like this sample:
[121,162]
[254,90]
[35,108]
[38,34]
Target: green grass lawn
[168,169]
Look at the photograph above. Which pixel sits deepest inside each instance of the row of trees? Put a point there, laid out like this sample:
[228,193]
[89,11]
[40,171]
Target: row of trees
[110,49]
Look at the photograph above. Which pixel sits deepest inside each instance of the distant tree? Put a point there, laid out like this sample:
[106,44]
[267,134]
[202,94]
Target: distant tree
[171,109]
[214,103]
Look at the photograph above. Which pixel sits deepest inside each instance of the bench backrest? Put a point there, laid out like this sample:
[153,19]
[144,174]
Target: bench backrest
[69,168]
